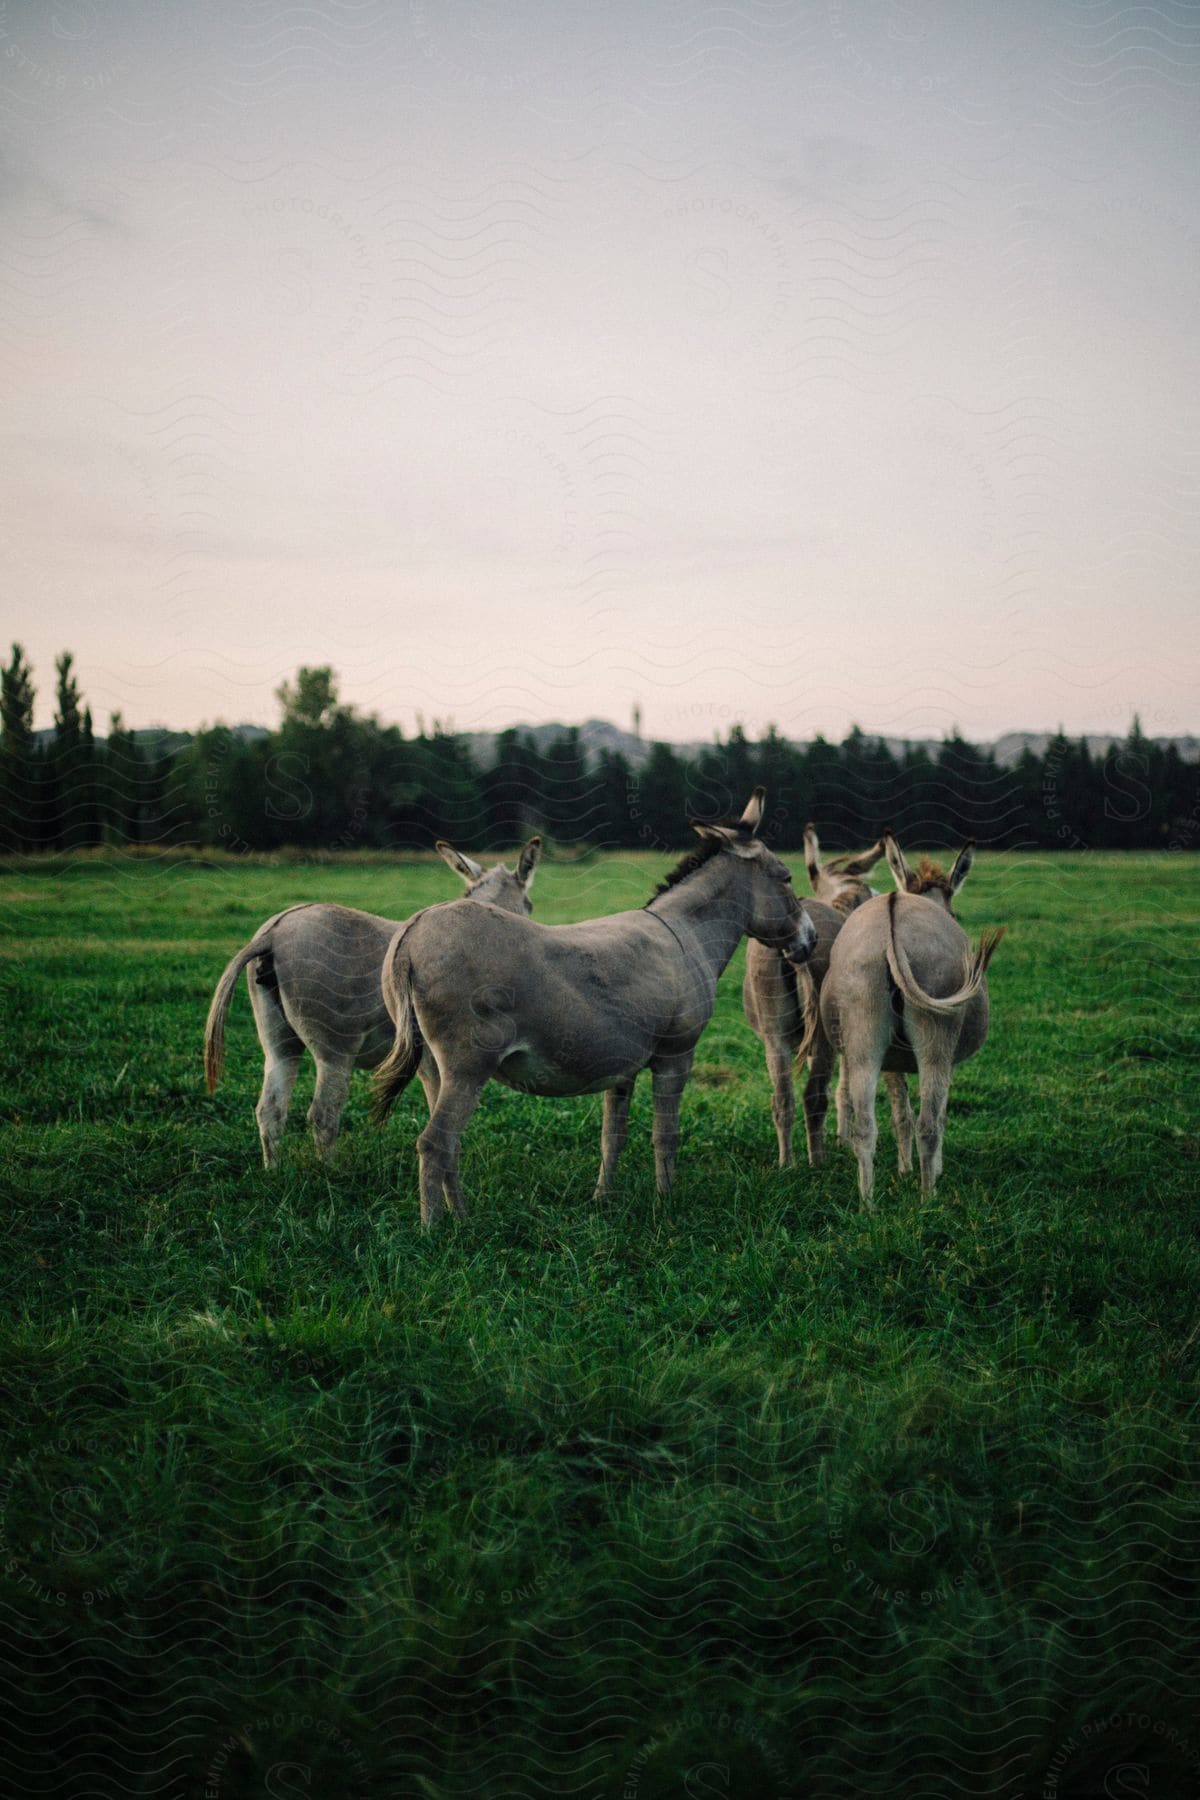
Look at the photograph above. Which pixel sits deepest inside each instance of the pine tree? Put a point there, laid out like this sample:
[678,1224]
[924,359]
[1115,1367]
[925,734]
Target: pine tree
[125,780]
[823,787]
[1129,799]
[66,759]
[18,761]
[777,765]
[68,721]
[614,781]
[659,806]
[569,797]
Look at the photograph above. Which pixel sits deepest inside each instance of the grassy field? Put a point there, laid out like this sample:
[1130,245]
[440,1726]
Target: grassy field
[745,1494]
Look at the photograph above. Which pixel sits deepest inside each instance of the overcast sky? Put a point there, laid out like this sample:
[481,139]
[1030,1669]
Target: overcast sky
[797,363]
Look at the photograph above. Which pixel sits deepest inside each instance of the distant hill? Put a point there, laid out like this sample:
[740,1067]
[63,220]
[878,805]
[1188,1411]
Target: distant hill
[600,734]
[1007,749]
[594,734]
[162,736]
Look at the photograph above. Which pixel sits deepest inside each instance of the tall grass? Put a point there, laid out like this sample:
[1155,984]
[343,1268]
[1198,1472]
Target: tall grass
[745,1493]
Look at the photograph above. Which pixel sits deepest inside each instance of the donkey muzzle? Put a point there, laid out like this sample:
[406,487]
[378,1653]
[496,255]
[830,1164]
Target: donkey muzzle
[803,944]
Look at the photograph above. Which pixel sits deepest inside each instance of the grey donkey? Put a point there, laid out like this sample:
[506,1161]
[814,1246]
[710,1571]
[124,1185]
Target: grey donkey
[579,1009]
[781,1003]
[905,993]
[313,974]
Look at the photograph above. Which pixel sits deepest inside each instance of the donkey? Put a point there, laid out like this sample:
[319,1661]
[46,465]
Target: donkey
[579,1009]
[904,992]
[781,1007]
[316,985]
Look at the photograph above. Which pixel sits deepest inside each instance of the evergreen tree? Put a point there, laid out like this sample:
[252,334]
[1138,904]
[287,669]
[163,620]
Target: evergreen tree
[173,811]
[659,808]
[124,780]
[91,784]
[614,826]
[976,797]
[869,788]
[1181,796]
[741,770]
[69,805]
[68,720]
[919,813]
[1129,810]
[512,790]
[824,793]
[778,767]
[317,786]
[569,794]
[709,792]
[1029,826]
[19,825]
[452,804]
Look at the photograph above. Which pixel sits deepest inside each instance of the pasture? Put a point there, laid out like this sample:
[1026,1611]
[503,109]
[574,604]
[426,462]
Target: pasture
[745,1493]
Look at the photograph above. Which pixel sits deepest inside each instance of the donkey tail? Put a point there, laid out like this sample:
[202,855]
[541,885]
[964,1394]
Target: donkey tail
[403,1059]
[974,969]
[214,1030]
[809,995]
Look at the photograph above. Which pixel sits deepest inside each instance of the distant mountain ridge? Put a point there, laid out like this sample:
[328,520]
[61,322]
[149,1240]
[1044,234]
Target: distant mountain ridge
[600,734]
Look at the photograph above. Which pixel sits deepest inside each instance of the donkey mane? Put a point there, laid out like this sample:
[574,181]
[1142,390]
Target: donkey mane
[931,875]
[695,859]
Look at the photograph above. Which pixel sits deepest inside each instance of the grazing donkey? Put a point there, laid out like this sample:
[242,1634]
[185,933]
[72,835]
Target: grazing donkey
[576,1009]
[781,1004]
[905,992]
[316,984]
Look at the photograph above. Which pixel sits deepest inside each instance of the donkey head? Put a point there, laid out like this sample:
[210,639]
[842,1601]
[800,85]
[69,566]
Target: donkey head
[838,882]
[506,888]
[927,878]
[776,915]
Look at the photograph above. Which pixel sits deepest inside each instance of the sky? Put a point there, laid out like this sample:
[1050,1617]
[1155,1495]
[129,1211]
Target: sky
[795,364]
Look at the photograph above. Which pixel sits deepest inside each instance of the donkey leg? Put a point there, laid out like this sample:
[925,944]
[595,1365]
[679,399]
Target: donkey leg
[282,1053]
[328,1103]
[816,1098]
[452,1187]
[279,1078]
[783,1097]
[845,1113]
[613,1134]
[431,1081]
[931,1125]
[902,1118]
[437,1145]
[670,1078]
[863,1079]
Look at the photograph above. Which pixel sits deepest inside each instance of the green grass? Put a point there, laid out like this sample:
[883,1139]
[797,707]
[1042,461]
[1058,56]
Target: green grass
[748,1493]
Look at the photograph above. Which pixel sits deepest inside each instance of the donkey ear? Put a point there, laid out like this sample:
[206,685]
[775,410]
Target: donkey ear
[902,875]
[732,836]
[752,815]
[812,853]
[465,866]
[528,861]
[861,865]
[962,866]
[728,834]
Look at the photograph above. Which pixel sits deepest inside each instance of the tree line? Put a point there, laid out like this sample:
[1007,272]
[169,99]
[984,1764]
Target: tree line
[329,778]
